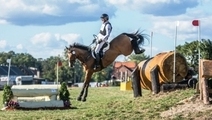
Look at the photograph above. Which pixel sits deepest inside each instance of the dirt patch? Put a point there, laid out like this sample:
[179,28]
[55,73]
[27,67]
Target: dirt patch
[186,107]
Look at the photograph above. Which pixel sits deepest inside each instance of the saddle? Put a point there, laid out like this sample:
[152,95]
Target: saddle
[104,48]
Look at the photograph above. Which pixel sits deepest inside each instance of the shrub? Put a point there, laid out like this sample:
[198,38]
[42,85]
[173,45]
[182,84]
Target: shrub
[64,93]
[7,94]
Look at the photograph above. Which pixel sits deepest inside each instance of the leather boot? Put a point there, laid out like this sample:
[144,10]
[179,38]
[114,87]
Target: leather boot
[136,48]
[97,61]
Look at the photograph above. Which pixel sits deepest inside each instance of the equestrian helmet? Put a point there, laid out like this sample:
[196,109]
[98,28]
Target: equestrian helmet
[105,16]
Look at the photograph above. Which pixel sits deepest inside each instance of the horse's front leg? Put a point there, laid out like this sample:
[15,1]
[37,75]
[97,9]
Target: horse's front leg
[85,93]
[79,98]
[88,75]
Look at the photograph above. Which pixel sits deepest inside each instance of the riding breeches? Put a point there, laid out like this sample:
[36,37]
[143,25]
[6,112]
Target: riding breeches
[99,46]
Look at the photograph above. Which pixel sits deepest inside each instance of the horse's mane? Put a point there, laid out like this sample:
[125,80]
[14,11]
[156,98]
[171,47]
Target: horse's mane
[80,46]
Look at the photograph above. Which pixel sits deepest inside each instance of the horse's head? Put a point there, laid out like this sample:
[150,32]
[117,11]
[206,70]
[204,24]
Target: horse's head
[71,55]
[76,51]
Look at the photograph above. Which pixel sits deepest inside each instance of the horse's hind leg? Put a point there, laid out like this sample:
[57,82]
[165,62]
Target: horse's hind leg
[85,93]
[136,48]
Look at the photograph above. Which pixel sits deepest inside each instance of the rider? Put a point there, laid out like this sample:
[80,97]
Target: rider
[103,36]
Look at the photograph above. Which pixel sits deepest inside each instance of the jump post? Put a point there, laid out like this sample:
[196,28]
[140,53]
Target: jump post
[205,69]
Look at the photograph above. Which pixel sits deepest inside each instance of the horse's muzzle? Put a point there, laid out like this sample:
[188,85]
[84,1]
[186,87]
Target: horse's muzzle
[70,64]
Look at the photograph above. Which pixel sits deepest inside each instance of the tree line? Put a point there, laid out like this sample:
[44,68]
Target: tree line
[48,67]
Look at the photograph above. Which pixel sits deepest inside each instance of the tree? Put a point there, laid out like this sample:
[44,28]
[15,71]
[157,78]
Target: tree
[18,59]
[137,57]
[49,68]
[103,75]
[190,51]
[206,49]
[77,72]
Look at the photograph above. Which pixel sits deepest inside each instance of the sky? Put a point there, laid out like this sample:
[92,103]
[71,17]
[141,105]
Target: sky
[43,28]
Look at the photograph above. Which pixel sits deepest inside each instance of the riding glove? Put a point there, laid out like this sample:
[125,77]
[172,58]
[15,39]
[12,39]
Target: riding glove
[99,41]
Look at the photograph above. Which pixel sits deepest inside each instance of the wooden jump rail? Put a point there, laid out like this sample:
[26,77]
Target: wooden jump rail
[205,70]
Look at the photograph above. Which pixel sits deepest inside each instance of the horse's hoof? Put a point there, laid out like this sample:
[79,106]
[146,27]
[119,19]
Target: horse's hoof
[78,99]
[83,100]
[139,51]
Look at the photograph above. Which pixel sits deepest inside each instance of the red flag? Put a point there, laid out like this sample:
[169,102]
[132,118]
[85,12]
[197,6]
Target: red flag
[59,63]
[195,22]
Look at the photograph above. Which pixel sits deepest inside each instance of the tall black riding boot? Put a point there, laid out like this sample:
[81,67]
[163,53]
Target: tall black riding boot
[97,61]
[136,47]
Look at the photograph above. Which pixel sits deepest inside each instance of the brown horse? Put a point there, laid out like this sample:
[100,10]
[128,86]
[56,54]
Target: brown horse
[123,44]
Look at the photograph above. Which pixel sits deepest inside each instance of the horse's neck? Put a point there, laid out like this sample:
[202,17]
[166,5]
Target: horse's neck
[83,56]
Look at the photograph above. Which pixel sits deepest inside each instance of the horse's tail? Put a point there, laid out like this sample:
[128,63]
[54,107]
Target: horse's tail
[140,37]
[137,39]
[137,36]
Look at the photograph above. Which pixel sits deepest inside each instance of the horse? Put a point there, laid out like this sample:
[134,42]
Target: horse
[123,44]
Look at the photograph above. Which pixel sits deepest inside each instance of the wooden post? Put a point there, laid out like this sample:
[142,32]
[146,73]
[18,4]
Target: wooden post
[199,76]
[155,80]
[136,85]
[205,91]
[205,73]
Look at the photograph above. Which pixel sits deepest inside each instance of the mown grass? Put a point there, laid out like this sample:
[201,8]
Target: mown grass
[107,103]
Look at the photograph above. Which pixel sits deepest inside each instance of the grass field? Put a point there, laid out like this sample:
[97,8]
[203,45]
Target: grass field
[109,103]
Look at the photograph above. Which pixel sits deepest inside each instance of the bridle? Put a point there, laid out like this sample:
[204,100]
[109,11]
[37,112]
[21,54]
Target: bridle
[71,62]
[74,56]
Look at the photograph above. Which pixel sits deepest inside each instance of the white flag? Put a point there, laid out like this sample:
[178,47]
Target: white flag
[151,34]
[8,60]
[177,23]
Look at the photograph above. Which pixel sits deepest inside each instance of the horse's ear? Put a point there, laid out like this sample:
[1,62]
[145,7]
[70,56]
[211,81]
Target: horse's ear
[70,46]
[66,48]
